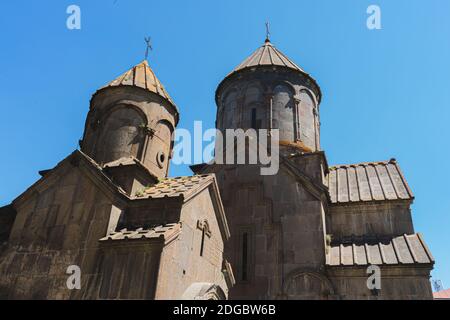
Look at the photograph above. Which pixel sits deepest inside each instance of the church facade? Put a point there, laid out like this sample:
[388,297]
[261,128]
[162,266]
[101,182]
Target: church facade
[311,231]
[110,212]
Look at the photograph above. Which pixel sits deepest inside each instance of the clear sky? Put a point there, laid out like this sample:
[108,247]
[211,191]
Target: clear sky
[386,92]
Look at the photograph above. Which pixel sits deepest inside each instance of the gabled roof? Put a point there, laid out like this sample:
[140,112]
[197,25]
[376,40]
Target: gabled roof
[316,189]
[369,181]
[142,76]
[178,186]
[164,233]
[124,161]
[77,158]
[402,250]
[168,187]
[130,162]
[187,188]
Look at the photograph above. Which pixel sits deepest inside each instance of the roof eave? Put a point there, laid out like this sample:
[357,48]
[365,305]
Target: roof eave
[249,68]
[80,159]
[170,102]
[368,202]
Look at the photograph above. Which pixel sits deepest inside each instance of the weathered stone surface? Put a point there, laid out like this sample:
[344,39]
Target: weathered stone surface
[307,232]
[76,214]
[306,205]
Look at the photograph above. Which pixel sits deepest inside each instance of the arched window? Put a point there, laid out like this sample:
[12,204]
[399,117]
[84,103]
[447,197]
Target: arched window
[121,135]
[254,112]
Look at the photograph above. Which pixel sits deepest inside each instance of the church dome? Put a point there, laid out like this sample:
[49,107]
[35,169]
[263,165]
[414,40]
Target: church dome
[268,56]
[142,76]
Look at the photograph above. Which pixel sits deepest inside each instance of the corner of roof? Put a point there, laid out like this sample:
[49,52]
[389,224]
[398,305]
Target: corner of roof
[163,234]
[315,189]
[74,158]
[399,182]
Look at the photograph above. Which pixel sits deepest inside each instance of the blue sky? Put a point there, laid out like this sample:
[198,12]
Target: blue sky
[386,92]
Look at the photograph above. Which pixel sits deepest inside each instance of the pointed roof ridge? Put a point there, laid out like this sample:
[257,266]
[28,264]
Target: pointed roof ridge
[267,55]
[141,76]
[263,56]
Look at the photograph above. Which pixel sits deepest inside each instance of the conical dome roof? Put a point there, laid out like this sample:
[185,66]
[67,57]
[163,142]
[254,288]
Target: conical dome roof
[141,76]
[267,55]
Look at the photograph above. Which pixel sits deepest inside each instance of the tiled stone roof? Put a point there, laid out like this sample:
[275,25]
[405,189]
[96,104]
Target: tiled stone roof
[267,55]
[129,161]
[174,187]
[162,232]
[124,161]
[142,76]
[371,181]
[406,249]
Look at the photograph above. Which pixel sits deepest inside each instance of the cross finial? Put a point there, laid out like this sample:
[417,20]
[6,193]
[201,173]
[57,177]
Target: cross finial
[267,32]
[149,46]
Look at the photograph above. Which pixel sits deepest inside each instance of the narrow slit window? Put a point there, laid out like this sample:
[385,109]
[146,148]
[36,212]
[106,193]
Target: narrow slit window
[254,124]
[202,245]
[244,255]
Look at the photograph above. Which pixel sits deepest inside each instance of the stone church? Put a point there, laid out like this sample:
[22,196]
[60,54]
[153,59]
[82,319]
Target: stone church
[311,231]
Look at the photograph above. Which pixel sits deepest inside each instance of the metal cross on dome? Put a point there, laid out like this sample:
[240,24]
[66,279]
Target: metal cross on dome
[149,46]
[267,31]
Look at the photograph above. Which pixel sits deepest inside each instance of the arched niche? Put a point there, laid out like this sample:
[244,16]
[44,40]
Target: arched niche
[229,110]
[305,90]
[253,93]
[283,111]
[253,112]
[307,118]
[308,285]
[121,134]
[203,291]
[160,145]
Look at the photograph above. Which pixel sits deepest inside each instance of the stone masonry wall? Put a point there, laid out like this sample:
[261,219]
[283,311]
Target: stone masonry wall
[279,223]
[397,283]
[58,226]
[184,262]
[386,219]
